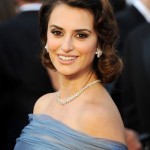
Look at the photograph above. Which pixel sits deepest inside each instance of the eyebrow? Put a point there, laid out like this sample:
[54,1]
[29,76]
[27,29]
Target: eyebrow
[77,30]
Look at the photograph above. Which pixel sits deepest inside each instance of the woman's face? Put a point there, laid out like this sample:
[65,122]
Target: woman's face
[71,40]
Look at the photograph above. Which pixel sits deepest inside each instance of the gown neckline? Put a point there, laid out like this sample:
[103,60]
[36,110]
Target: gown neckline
[50,118]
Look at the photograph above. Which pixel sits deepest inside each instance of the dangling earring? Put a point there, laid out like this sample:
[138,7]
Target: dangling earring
[98,52]
[46,47]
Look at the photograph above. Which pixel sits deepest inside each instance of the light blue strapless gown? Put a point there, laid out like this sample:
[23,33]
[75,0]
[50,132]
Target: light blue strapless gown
[46,133]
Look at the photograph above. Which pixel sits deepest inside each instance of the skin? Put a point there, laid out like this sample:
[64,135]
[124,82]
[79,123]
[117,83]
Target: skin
[146,3]
[132,140]
[72,43]
[74,39]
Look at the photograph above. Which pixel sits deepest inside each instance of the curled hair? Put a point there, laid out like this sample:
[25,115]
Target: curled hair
[109,65]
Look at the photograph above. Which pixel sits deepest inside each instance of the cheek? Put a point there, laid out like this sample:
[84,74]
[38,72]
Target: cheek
[88,48]
[87,54]
[88,51]
[52,44]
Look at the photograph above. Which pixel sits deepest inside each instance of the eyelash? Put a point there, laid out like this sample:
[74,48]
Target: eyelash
[58,33]
[82,35]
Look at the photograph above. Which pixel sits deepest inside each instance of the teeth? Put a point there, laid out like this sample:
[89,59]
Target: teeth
[66,58]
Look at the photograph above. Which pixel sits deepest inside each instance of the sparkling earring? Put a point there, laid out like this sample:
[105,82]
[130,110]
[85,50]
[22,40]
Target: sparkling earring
[46,47]
[98,52]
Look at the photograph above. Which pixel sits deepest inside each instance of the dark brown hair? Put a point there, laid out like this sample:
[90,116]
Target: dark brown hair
[109,65]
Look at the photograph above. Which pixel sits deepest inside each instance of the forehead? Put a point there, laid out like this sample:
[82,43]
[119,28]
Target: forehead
[64,15]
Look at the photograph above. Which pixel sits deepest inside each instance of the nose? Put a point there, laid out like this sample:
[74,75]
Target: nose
[67,44]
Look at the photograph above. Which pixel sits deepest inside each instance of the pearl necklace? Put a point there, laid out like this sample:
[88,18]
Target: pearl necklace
[67,100]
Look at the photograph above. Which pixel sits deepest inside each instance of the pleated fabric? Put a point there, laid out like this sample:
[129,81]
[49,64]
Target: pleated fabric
[46,133]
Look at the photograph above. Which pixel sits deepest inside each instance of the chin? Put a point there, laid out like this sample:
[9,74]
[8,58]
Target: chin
[66,70]
[65,73]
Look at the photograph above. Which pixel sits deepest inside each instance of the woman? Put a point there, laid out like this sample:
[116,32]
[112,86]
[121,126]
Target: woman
[78,40]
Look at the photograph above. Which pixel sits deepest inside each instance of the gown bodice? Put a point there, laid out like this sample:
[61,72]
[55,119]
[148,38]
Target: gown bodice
[46,133]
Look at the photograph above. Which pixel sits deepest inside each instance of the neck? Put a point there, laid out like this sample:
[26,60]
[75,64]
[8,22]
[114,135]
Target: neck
[70,98]
[72,85]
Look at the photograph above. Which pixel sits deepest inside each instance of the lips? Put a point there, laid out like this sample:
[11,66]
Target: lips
[66,59]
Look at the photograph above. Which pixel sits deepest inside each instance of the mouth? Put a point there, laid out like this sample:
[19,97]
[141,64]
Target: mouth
[66,59]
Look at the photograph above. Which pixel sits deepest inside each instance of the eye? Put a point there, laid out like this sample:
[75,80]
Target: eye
[56,32]
[82,35]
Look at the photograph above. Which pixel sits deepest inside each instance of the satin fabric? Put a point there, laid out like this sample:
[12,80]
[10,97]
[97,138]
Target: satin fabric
[46,133]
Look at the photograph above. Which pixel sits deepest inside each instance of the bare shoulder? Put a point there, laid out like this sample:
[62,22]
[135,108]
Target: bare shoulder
[103,120]
[43,102]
